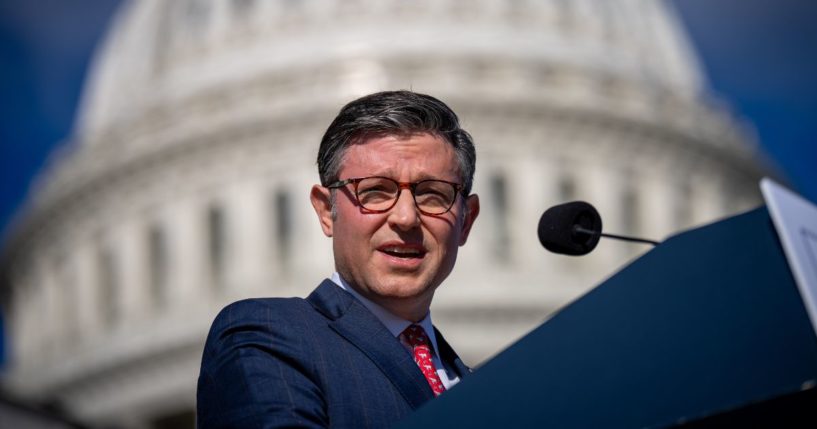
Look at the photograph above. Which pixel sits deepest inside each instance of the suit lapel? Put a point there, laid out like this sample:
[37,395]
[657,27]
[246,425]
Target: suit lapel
[359,326]
[449,356]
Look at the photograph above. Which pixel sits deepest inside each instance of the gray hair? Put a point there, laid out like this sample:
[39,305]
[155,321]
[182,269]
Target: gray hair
[394,113]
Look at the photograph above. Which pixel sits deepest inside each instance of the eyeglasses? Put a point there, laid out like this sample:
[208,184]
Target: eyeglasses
[379,194]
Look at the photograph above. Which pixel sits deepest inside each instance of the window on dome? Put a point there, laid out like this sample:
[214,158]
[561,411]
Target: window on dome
[157,265]
[566,189]
[197,13]
[216,244]
[108,286]
[683,206]
[499,206]
[242,8]
[566,13]
[68,276]
[630,211]
[283,225]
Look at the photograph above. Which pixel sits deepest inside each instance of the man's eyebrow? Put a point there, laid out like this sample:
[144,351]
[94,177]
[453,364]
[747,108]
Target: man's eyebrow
[419,177]
[426,177]
[384,172]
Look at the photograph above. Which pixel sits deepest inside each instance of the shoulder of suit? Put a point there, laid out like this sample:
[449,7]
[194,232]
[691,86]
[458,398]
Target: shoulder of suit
[265,309]
[280,317]
[263,313]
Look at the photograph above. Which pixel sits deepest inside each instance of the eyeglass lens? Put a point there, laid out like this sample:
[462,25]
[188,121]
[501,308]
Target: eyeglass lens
[431,196]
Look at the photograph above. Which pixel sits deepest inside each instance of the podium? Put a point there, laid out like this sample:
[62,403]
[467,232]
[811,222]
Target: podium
[708,329]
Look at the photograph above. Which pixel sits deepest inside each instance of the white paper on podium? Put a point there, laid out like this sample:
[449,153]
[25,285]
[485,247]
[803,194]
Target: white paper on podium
[795,220]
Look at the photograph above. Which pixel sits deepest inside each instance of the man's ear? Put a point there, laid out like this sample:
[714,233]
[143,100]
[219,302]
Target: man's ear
[322,203]
[471,213]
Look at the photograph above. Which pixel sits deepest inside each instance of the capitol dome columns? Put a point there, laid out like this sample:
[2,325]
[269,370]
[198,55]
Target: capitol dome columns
[87,299]
[249,259]
[131,251]
[188,274]
[658,221]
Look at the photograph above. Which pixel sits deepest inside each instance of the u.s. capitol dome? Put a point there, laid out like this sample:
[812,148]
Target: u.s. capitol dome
[185,185]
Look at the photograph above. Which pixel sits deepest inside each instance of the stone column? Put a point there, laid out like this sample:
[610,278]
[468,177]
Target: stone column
[658,203]
[534,182]
[88,314]
[707,197]
[188,282]
[24,332]
[49,317]
[249,207]
[131,259]
[604,188]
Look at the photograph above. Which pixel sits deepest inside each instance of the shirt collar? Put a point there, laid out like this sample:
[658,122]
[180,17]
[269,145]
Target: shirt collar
[394,324]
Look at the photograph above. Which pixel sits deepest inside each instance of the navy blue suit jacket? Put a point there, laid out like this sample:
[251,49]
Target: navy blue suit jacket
[323,361]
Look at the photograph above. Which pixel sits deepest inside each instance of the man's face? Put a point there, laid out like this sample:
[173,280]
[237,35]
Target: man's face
[397,258]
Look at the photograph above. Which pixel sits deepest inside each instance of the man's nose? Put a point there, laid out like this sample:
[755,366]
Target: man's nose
[404,214]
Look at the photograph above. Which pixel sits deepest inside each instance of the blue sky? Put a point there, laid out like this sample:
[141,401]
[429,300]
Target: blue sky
[760,55]
[45,47]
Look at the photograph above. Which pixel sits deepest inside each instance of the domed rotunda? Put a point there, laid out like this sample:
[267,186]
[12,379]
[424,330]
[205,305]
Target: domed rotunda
[185,185]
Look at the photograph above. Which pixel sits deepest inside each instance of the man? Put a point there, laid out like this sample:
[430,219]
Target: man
[396,171]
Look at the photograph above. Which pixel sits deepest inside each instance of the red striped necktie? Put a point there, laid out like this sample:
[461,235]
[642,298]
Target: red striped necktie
[416,337]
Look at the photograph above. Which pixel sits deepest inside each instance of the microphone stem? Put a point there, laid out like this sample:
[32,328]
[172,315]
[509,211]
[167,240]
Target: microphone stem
[579,229]
[633,239]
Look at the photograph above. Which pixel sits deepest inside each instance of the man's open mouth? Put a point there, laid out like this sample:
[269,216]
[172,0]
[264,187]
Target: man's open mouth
[403,252]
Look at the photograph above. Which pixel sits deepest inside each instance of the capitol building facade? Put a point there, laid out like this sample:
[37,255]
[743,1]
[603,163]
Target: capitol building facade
[186,183]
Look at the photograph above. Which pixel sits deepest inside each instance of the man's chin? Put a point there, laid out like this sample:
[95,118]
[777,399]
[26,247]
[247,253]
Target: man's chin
[404,287]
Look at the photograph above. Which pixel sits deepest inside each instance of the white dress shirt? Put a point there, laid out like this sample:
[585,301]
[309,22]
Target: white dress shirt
[396,326]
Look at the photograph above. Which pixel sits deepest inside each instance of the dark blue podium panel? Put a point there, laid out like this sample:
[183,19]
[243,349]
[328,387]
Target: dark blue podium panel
[706,323]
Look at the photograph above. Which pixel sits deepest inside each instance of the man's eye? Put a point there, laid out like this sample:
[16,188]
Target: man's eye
[374,190]
[432,197]
[375,194]
[431,193]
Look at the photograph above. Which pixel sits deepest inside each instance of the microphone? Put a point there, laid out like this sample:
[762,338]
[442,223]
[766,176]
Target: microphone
[574,228]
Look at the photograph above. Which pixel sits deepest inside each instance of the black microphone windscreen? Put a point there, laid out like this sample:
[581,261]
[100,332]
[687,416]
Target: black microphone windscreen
[558,228]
